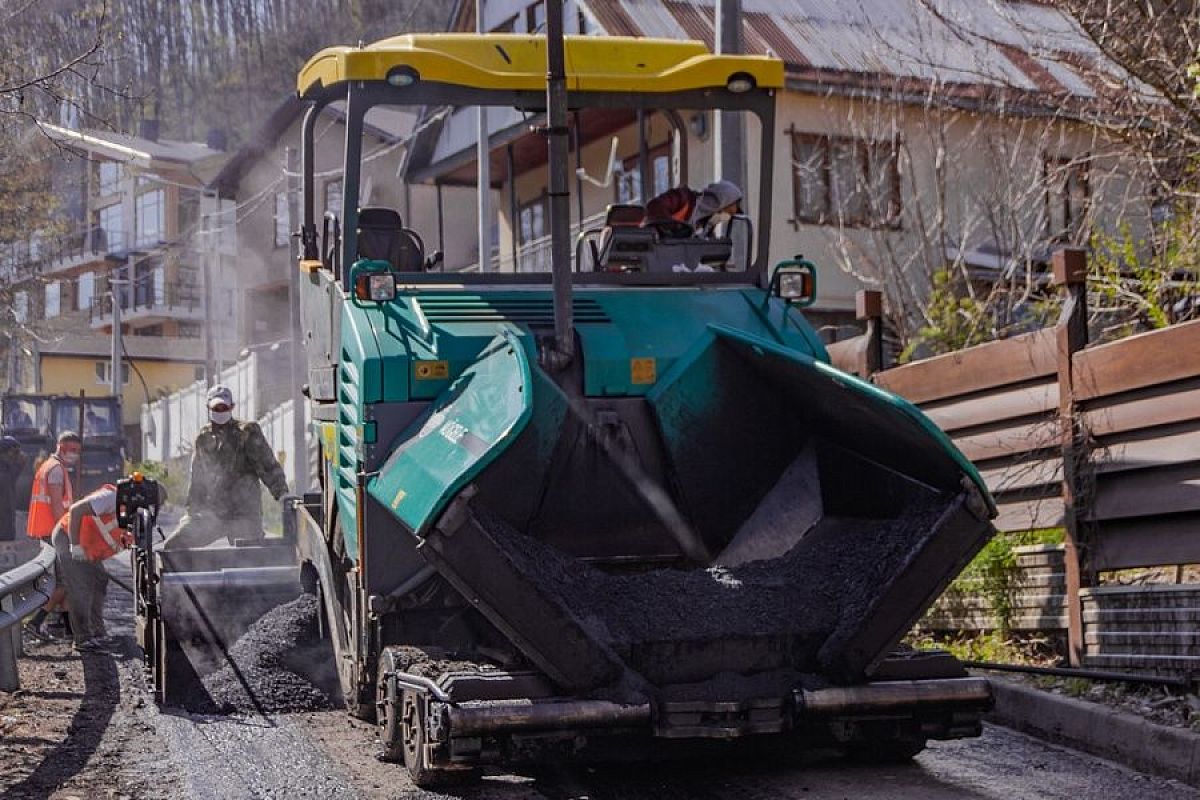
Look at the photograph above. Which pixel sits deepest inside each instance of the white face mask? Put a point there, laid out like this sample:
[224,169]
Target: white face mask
[70,459]
[220,417]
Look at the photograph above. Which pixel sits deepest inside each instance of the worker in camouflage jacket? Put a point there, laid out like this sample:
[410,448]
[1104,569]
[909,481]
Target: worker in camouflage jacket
[229,459]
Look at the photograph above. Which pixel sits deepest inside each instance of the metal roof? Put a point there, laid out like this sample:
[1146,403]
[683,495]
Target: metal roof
[135,149]
[1026,46]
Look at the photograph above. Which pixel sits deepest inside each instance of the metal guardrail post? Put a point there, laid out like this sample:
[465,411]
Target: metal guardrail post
[10,649]
[23,589]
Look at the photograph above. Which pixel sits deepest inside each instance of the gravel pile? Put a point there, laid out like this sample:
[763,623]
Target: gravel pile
[274,667]
[821,591]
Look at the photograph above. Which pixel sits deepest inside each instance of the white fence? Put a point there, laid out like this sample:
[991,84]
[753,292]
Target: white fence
[277,424]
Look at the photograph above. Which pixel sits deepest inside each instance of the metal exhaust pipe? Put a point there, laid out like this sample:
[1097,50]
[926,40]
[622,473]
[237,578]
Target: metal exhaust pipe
[524,715]
[885,696]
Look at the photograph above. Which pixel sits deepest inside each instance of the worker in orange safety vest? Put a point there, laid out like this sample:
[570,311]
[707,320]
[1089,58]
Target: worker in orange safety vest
[51,495]
[83,538]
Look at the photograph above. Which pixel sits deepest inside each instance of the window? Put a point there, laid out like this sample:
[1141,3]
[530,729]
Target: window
[532,218]
[191,330]
[104,373]
[282,225]
[1066,196]
[333,197]
[149,330]
[587,27]
[198,372]
[837,180]
[535,17]
[508,26]
[53,296]
[85,291]
[110,177]
[112,225]
[149,217]
[629,177]
[21,307]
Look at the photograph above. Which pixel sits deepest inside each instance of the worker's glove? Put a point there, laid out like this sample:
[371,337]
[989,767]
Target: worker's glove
[77,553]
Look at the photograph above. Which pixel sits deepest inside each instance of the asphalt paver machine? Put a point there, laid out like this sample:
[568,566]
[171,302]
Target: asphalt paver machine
[625,503]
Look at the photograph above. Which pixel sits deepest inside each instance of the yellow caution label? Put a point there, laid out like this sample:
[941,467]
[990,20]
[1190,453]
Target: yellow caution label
[400,495]
[432,370]
[329,440]
[643,371]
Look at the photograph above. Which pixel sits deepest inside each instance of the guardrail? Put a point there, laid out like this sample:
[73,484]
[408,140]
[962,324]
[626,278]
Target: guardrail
[23,590]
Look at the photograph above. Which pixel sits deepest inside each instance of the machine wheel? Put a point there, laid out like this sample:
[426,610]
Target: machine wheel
[387,711]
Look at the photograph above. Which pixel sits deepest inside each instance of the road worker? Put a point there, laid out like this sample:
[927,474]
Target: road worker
[229,459]
[717,203]
[83,538]
[49,500]
[12,461]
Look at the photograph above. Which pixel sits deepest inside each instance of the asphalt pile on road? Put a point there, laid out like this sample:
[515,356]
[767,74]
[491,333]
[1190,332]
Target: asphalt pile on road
[821,591]
[279,665]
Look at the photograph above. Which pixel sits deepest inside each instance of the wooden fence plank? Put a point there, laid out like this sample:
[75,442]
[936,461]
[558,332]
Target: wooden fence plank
[1026,474]
[1021,358]
[850,355]
[1156,408]
[1147,493]
[1145,543]
[1145,452]
[1007,441]
[1025,515]
[993,407]
[1146,359]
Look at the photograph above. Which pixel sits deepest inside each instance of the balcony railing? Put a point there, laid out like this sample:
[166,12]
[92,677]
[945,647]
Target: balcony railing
[171,301]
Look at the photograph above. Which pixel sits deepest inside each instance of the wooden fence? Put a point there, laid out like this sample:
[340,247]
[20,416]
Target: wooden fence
[1102,441]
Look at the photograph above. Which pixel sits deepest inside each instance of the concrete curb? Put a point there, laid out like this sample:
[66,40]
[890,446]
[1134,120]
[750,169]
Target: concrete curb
[1102,731]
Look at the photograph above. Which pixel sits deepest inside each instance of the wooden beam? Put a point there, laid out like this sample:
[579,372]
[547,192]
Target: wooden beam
[999,406]
[1148,359]
[977,369]
[1129,544]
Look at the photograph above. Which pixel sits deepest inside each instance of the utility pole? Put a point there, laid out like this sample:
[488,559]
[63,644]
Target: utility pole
[484,155]
[116,284]
[208,243]
[729,127]
[299,446]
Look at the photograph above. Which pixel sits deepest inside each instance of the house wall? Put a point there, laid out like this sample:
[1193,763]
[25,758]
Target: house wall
[70,374]
[967,178]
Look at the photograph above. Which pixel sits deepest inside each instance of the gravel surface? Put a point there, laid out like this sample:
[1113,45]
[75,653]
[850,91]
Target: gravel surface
[82,726]
[1001,765]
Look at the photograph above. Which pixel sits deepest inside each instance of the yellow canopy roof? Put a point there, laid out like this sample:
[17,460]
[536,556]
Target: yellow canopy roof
[518,62]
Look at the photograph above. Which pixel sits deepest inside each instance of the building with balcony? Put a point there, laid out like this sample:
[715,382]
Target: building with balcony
[132,228]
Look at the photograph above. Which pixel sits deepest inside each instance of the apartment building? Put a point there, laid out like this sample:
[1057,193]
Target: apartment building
[128,231]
